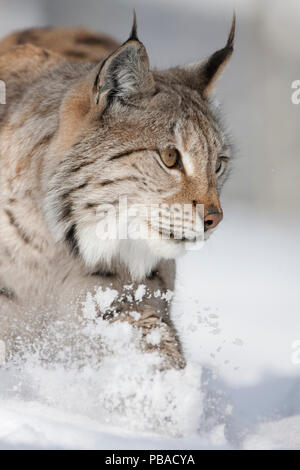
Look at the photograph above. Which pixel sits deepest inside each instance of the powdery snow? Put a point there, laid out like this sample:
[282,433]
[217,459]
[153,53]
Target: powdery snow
[237,310]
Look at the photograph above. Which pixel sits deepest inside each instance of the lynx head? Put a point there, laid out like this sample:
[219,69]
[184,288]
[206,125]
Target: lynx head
[153,137]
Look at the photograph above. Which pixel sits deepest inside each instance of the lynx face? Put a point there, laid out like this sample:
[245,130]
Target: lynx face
[152,138]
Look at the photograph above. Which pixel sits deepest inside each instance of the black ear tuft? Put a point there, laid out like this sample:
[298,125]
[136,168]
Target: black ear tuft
[133,34]
[125,74]
[230,41]
[218,60]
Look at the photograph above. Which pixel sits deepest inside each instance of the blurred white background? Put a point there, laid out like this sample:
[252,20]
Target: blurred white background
[238,301]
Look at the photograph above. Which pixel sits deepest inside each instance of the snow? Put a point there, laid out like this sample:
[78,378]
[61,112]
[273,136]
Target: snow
[140,293]
[237,309]
[105,298]
[276,435]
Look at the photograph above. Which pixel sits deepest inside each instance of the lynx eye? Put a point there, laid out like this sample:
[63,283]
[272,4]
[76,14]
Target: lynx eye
[220,165]
[170,157]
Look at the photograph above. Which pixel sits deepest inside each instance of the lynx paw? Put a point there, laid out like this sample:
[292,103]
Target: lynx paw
[159,336]
[154,335]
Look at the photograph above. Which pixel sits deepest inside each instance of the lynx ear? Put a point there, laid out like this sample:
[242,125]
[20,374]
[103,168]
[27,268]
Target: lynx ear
[124,73]
[202,76]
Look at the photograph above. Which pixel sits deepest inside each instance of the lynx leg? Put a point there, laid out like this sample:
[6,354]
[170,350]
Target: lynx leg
[157,335]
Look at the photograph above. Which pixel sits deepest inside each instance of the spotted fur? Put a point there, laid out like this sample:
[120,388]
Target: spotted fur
[75,135]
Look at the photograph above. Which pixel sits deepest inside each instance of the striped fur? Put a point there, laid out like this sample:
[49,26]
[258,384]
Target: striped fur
[75,135]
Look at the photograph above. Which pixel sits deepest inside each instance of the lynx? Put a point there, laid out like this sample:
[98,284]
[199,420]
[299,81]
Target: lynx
[86,122]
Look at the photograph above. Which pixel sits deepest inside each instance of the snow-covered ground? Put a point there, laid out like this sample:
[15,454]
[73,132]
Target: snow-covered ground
[237,310]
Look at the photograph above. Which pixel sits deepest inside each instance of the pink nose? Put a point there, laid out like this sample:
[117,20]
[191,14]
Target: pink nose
[212,220]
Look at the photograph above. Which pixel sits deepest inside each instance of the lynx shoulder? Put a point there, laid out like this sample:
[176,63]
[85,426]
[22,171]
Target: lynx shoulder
[86,123]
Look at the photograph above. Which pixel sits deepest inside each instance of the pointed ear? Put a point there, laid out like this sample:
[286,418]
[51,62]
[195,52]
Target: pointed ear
[124,74]
[214,66]
[202,76]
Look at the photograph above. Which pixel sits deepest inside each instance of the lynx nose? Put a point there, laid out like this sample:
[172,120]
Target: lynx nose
[212,219]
